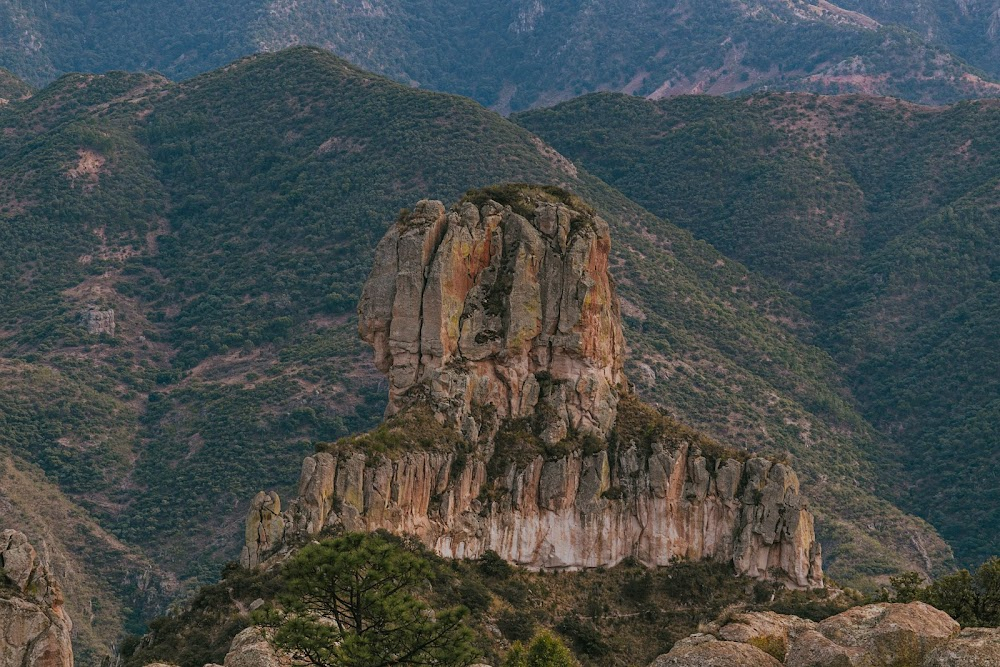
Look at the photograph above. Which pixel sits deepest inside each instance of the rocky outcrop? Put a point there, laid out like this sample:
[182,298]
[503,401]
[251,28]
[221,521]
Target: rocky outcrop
[707,651]
[573,512]
[483,307]
[34,628]
[878,635]
[501,322]
[873,636]
[265,528]
[765,628]
[250,648]
[973,647]
[97,321]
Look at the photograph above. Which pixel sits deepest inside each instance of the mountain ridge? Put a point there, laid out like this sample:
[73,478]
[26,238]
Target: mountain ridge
[550,50]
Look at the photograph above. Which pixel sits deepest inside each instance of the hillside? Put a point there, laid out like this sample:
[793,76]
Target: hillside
[971,30]
[229,222]
[528,53]
[881,214]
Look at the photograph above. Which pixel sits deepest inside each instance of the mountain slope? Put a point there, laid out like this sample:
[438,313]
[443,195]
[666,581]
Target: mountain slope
[229,221]
[880,213]
[510,56]
[970,29]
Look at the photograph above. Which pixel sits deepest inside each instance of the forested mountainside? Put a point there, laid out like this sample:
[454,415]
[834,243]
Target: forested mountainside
[229,222]
[882,215]
[969,28]
[526,53]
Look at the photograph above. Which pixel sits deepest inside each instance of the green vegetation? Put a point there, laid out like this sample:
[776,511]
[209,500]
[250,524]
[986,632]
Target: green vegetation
[413,428]
[366,586]
[545,650]
[230,222]
[519,55]
[972,599]
[880,214]
[626,615]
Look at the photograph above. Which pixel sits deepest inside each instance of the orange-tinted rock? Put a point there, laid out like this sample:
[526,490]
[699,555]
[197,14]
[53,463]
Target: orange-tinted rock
[477,305]
[34,627]
[488,319]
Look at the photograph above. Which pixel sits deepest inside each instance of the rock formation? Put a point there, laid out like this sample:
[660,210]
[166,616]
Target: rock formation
[97,321]
[707,651]
[878,635]
[265,528]
[251,648]
[34,628]
[475,305]
[973,647]
[500,323]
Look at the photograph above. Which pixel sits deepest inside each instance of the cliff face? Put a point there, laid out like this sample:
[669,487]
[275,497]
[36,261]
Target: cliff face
[34,628]
[475,305]
[502,324]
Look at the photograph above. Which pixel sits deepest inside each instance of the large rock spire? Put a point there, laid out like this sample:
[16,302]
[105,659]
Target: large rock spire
[499,307]
[510,425]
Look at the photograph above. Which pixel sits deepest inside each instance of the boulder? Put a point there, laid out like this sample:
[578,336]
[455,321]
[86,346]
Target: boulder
[706,651]
[251,648]
[973,647]
[878,635]
[766,630]
[97,321]
[812,649]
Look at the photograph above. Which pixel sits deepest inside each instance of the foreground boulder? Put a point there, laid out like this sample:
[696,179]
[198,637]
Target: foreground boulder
[766,630]
[34,627]
[877,635]
[973,647]
[706,651]
[511,426]
[250,648]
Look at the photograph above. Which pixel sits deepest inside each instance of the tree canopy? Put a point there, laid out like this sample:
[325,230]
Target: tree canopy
[352,601]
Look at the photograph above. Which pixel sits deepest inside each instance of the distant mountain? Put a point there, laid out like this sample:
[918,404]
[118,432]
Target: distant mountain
[229,221]
[883,215]
[968,28]
[526,53]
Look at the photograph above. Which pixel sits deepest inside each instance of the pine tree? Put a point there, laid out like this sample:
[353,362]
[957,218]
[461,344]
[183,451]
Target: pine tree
[351,602]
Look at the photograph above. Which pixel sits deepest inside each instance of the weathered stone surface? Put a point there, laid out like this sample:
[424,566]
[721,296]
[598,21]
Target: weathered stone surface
[973,647]
[879,635]
[34,627]
[97,321]
[765,628]
[485,316]
[250,648]
[265,528]
[574,512]
[705,651]
[475,305]
[812,649]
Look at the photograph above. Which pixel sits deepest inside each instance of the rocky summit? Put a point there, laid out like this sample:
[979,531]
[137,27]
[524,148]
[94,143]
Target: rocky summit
[511,426]
[34,628]
[484,308]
